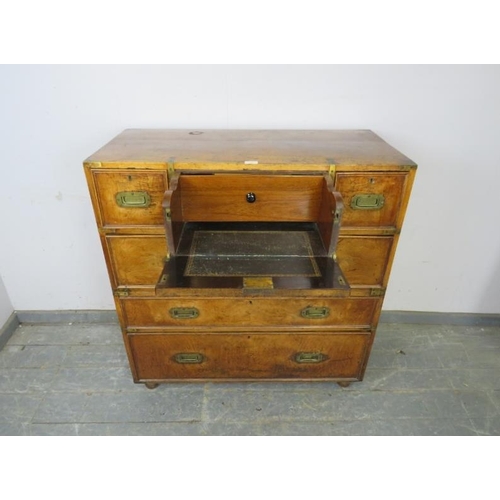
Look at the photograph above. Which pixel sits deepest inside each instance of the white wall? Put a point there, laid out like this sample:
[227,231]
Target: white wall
[6,308]
[446,118]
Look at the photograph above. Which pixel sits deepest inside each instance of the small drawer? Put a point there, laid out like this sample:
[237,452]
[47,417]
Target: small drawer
[136,260]
[130,198]
[363,259]
[248,355]
[370,199]
[259,312]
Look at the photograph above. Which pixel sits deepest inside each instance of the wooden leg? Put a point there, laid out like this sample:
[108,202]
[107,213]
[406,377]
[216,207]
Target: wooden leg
[344,383]
[151,385]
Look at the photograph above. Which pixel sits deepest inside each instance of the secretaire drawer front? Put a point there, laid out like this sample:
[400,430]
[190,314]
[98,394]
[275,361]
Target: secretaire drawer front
[363,259]
[370,199]
[244,197]
[137,260]
[131,197]
[248,355]
[259,312]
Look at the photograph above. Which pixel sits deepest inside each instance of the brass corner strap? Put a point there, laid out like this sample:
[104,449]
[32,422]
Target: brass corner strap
[331,170]
[121,292]
[170,168]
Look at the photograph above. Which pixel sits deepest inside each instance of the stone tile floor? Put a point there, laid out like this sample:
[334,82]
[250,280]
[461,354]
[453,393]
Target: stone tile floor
[421,380]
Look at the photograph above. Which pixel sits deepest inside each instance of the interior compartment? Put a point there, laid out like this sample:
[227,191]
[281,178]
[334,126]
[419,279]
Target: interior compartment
[246,231]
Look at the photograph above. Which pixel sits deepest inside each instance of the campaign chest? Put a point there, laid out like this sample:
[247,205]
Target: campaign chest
[248,254]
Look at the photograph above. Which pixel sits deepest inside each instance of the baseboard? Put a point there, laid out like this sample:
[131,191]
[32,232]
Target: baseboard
[70,316]
[8,329]
[407,317]
[440,318]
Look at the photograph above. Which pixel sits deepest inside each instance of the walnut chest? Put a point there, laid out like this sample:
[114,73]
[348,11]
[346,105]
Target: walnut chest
[248,254]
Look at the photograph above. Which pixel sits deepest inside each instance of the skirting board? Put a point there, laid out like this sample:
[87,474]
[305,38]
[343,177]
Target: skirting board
[8,329]
[415,317]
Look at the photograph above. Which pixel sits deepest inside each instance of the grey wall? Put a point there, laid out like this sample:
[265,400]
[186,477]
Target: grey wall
[446,118]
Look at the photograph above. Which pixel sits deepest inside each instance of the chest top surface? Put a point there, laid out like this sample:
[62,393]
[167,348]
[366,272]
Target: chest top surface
[250,148]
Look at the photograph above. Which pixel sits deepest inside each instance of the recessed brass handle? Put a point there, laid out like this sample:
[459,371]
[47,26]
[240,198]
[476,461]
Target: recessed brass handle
[367,201]
[310,357]
[189,358]
[133,199]
[315,312]
[184,312]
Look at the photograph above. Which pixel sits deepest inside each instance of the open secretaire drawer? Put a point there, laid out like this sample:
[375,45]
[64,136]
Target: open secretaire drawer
[251,232]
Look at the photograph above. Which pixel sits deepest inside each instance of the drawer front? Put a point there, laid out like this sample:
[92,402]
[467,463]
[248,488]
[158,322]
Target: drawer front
[370,199]
[137,260]
[248,355]
[130,198]
[223,197]
[363,259]
[259,312]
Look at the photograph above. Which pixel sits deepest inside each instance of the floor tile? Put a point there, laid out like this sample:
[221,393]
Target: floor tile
[26,379]
[18,408]
[95,379]
[96,355]
[171,405]
[119,429]
[243,405]
[21,356]
[487,426]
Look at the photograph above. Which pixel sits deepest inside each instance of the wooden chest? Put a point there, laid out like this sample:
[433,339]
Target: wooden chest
[246,254]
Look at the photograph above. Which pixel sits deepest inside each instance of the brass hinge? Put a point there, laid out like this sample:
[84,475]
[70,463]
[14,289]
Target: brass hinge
[170,168]
[121,292]
[377,292]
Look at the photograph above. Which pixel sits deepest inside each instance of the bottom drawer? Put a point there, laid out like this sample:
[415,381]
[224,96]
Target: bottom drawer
[248,355]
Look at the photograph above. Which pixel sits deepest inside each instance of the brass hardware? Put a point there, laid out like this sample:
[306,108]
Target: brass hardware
[336,217]
[189,358]
[251,198]
[259,282]
[184,312]
[315,312]
[163,278]
[133,199]
[121,292]
[170,168]
[309,357]
[367,201]
[377,292]
[341,280]
[168,214]
[332,170]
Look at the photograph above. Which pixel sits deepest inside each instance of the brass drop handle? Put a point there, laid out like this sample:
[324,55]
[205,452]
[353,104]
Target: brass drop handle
[184,312]
[189,358]
[315,312]
[310,357]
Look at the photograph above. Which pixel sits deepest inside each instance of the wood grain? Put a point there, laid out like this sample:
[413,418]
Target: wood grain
[281,149]
[248,355]
[257,311]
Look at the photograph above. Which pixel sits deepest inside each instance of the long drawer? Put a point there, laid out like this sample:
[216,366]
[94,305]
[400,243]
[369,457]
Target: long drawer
[248,356]
[242,312]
